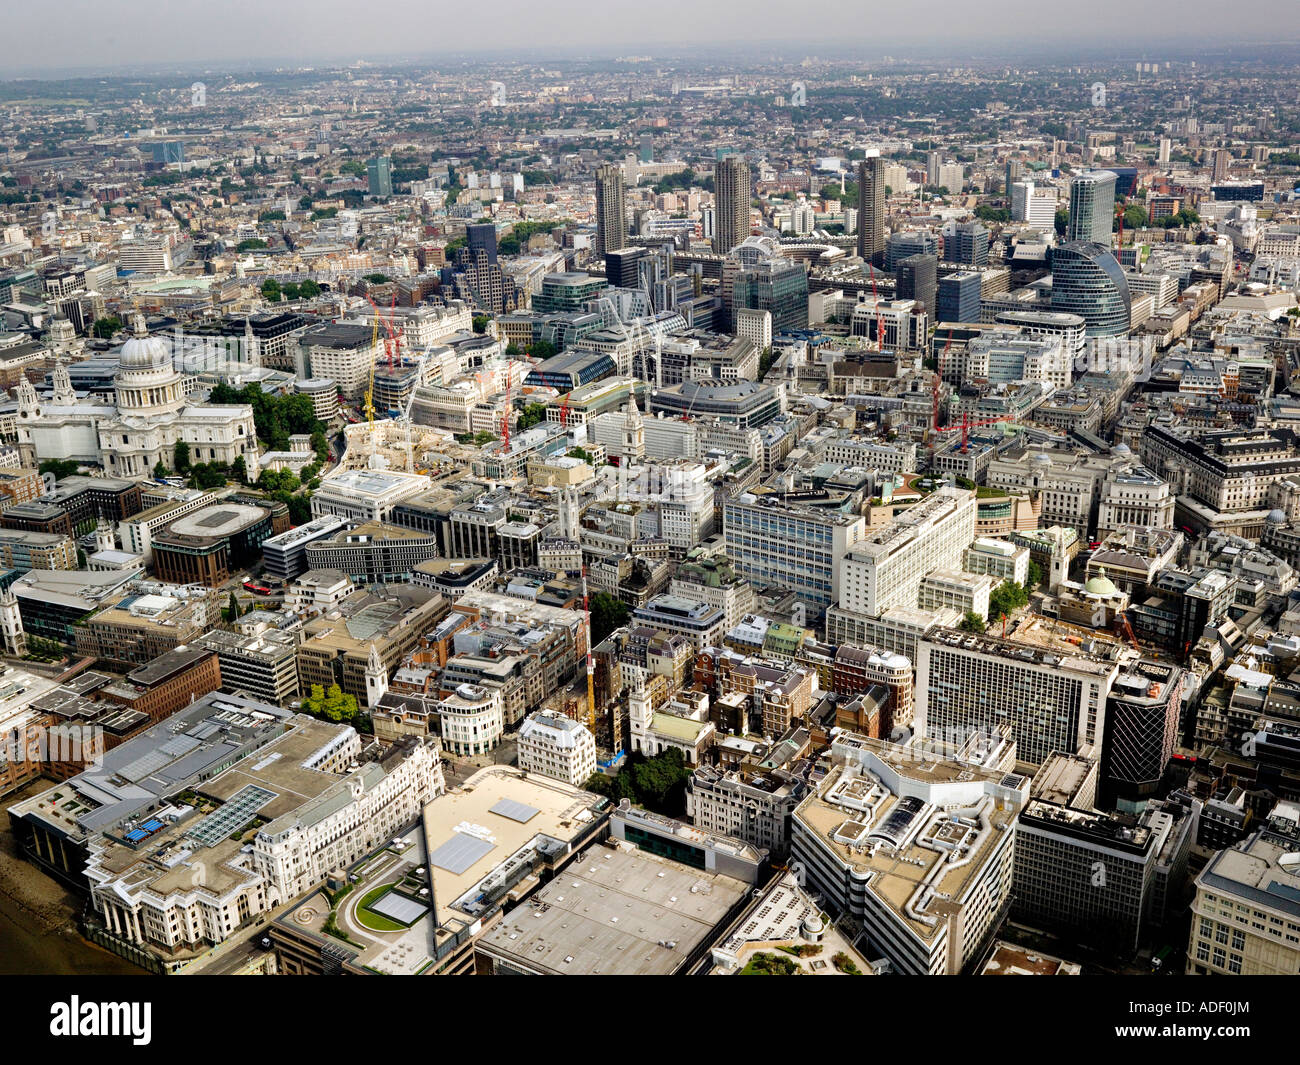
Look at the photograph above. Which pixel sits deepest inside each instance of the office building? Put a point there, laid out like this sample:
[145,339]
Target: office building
[1142,719]
[918,280]
[871,208]
[1092,207]
[379,175]
[558,747]
[959,297]
[1101,879]
[611,210]
[285,556]
[778,286]
[1088,281]
[1034,205]
[1246,913]
[908,242]
[919,847]
[967,243]
[886,568]
[733,190]
[618,911]
[1051,701]
[263,665]
[775,544]
[482,236]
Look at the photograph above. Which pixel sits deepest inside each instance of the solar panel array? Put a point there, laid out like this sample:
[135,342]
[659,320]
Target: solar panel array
[231,816]
[516,811]
[460,852]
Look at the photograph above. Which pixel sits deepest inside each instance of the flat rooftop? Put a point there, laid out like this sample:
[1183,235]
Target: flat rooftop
[616,912]
[221,519]
[478,838]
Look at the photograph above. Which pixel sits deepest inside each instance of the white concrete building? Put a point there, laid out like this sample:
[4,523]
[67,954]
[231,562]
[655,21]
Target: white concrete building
[557,746]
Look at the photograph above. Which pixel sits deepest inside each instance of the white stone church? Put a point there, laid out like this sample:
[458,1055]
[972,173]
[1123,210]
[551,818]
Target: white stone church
[142,427]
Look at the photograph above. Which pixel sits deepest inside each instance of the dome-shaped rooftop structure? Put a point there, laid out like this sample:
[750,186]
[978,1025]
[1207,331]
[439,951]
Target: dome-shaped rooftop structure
[1100,585]
[1276,517]
[143,352]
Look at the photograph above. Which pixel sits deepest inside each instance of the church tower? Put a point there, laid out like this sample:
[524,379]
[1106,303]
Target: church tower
[633,433]
[105,539]
[638,708]
[11,625]
[569,514]
[376,679]
[64,396]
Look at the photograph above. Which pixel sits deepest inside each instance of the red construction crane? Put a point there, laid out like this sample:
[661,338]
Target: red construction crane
[394,338]
[938,379]
[505,414]
[880,322]
[967,425]
[1127,630]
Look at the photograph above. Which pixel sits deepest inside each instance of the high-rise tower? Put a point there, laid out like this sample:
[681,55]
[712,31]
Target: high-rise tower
[1092,206]
[611,210]
[733,190]
[871,208]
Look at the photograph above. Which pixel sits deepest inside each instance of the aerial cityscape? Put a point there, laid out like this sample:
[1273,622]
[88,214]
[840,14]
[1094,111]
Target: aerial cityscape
[719,507]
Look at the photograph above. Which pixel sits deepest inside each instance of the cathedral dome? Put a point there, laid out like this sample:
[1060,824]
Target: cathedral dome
[143,352]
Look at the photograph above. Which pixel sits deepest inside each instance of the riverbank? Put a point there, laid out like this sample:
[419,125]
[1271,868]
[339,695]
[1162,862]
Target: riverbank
[38,916]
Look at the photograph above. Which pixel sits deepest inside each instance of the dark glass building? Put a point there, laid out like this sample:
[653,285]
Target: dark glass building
[1088,281]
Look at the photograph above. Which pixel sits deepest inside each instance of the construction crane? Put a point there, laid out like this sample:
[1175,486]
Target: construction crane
[1127,630]
[370,388]
[880,322]
[591,669]
[505,414]
[967,425]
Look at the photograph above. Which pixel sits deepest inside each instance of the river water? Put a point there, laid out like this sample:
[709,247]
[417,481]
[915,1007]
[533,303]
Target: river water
[38,917]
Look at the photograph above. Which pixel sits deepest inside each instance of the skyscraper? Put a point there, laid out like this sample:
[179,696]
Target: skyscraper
[871,208]
[611,209]
[959,297]
[1088,281]
[482,236]
[732,191]
[1092,206]
[918,279]
[967,243]
[379,175]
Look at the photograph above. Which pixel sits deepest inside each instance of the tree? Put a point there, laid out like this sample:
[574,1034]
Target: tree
[480,323]
[607,614]
[1035,576]
[232,610]
[240,470]
[104,328]
[207,475]
[309,289]
[181,457]
[159,470]
[61,468]
[543,349]
[1135,217]
[1062,220]
[1006,598]
[972,622]
[271,290]
[332,704]
[534,413]
[252,244]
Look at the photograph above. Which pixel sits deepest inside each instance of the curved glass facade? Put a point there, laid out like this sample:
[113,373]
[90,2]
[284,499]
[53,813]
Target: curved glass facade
[1088,281]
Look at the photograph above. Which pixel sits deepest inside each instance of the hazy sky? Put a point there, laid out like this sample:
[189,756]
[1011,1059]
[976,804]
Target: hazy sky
[152,34]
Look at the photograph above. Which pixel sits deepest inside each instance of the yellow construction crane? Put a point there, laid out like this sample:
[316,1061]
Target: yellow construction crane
[591,678]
